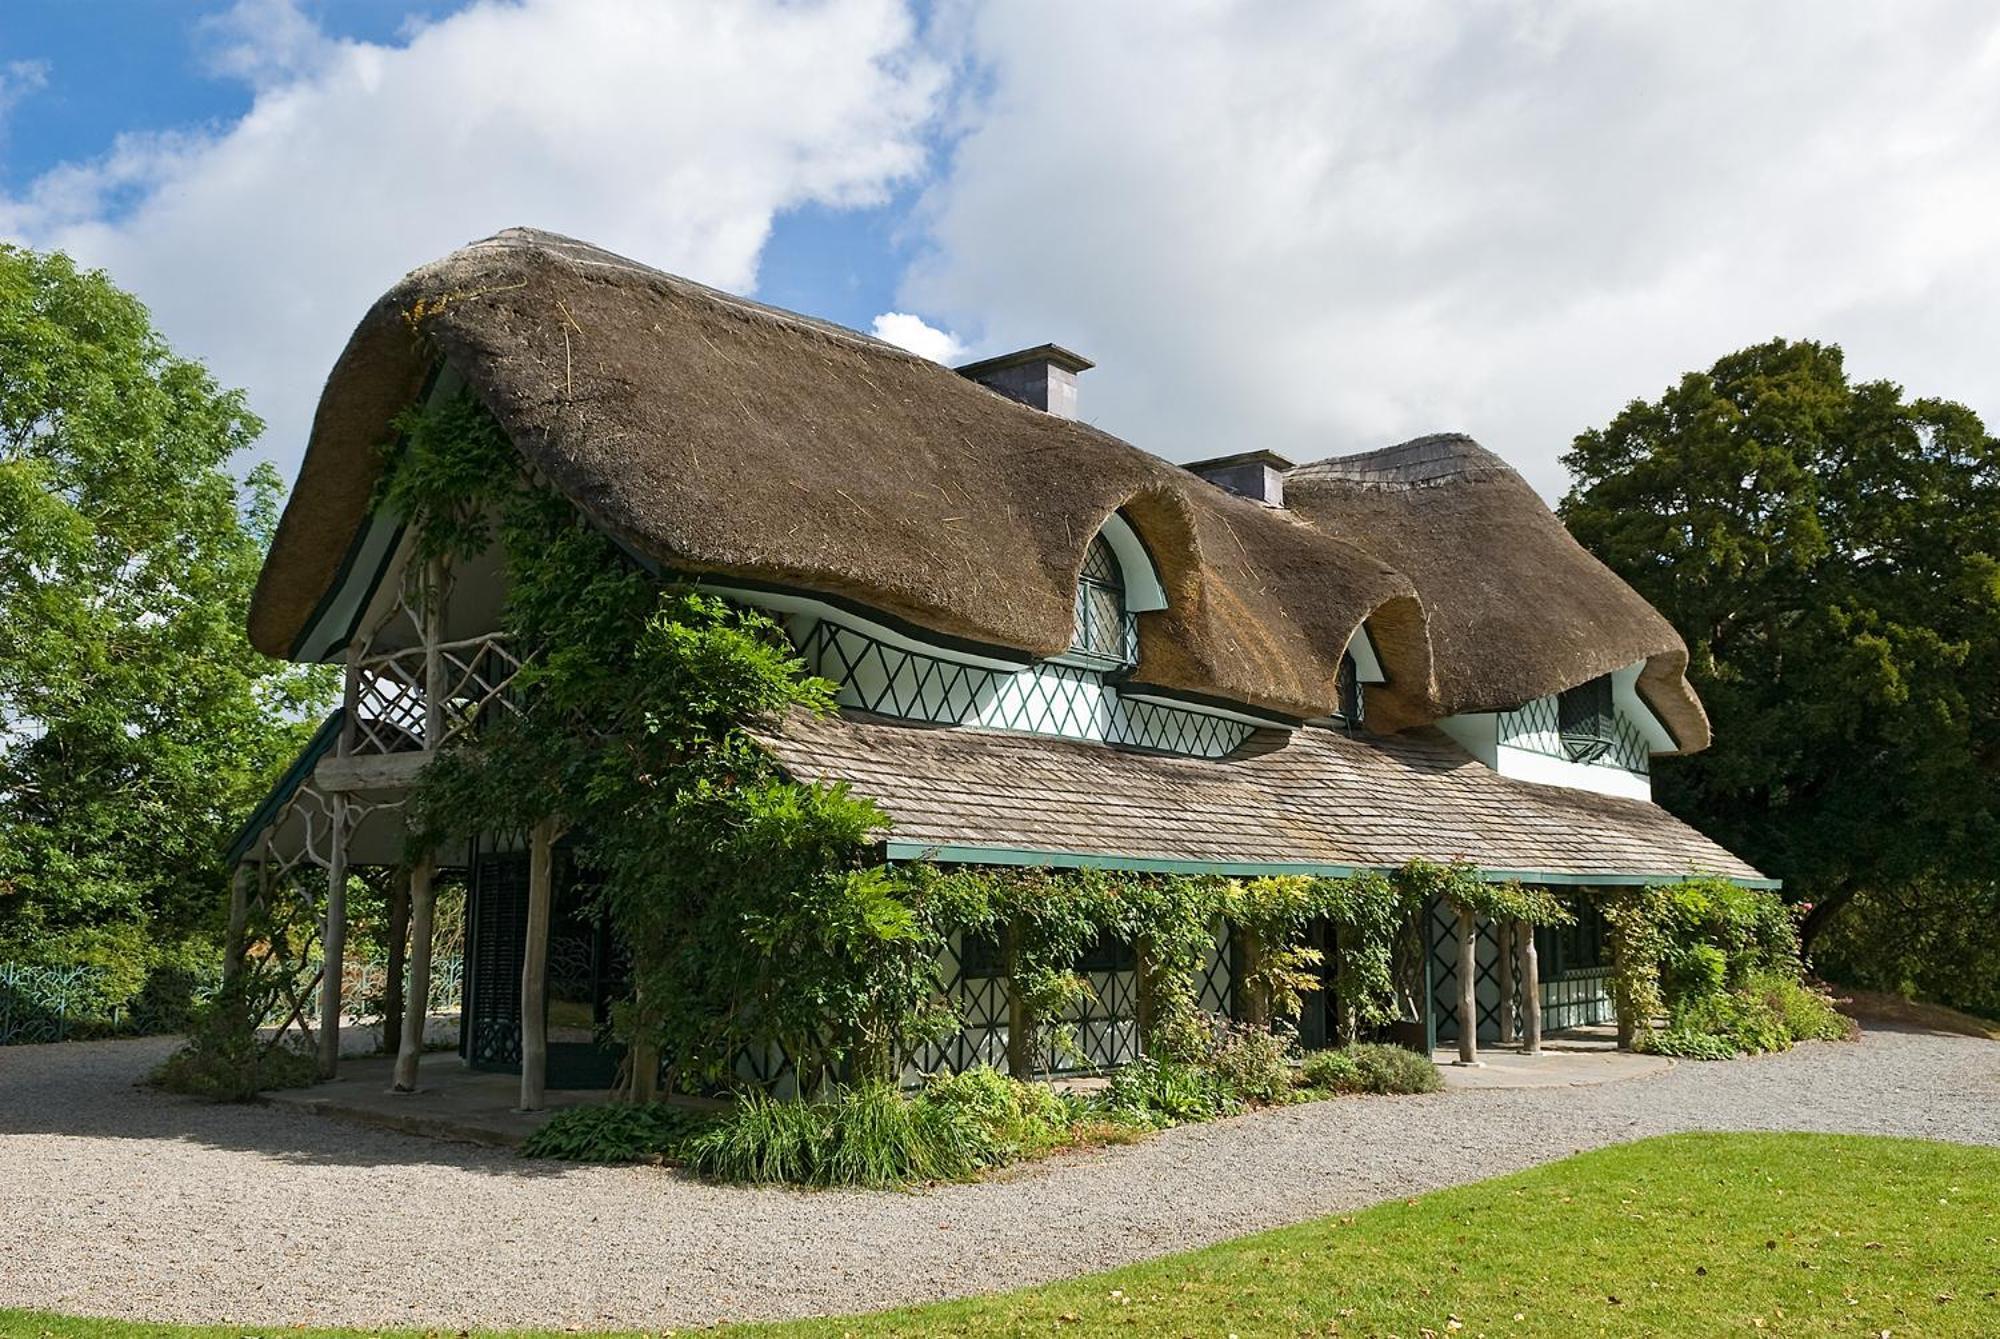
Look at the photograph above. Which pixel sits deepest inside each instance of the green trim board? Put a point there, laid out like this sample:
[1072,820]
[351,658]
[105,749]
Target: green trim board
[321,744]
[894,851]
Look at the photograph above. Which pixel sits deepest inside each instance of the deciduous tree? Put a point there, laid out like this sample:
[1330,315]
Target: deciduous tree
[1831,551]
[137,725]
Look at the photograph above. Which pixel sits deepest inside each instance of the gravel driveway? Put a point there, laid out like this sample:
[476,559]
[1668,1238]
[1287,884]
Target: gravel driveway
[119,1201]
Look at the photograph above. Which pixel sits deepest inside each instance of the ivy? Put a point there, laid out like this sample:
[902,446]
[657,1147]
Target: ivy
[1465,889]
[754,909]
[1679,947]
[744,898]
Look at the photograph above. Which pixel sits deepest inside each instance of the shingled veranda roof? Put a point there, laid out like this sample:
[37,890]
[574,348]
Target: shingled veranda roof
[1306,800]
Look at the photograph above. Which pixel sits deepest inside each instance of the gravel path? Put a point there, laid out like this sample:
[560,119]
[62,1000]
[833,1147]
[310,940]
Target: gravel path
[119,1201]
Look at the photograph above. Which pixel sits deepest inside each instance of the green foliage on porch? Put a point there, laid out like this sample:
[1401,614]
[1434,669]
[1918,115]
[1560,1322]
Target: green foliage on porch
[755,913]
[1687,1235]
[1719,963]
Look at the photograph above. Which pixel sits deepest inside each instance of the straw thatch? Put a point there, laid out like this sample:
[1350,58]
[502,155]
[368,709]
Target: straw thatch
[720,437]
[1516,608]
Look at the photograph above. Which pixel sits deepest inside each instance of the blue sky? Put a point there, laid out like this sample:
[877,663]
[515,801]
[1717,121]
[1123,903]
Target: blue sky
[1311,227]
[146,69]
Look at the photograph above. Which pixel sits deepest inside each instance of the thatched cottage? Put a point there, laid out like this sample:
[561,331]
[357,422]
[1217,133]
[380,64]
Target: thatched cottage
[1052,647]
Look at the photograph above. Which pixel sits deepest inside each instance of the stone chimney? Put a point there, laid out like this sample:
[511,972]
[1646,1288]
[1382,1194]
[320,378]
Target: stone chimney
[1044,377]
[1257,475]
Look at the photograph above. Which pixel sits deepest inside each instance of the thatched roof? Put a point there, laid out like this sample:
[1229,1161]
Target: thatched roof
[718,436]
[1311,798]
[722,437]
[1516,608]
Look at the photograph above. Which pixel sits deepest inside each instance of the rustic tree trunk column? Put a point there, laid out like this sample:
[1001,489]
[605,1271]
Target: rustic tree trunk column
[416,1002]
[1503,974]
[644,1055]
[393,997]
[1253,1002]
[235,940]
[333,941]
[1468,987]
[1531,988]
[534,967]
[1020,1024]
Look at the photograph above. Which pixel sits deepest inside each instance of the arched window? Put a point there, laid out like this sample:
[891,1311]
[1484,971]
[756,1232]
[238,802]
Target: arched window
[1105,629]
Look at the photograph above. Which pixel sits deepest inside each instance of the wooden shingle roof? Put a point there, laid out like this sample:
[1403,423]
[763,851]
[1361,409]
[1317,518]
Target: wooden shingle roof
[1309,800]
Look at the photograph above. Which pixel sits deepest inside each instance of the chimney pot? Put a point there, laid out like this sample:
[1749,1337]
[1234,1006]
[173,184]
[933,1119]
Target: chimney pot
[1043,377]
[1257,475]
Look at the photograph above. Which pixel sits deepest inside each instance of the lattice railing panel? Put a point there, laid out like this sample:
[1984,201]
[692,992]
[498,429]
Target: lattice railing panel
[1536,727]
[1067,701]
[479,681]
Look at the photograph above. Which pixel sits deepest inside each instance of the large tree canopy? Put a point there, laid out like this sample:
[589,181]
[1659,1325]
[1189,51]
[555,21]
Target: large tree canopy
[136,723]
[1831,552]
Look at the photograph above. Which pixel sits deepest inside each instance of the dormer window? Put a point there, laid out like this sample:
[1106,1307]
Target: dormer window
[1105,629]
[1585,721]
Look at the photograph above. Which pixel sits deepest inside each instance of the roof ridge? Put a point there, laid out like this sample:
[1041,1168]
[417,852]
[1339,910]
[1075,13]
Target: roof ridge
[1434,458]
[585,255]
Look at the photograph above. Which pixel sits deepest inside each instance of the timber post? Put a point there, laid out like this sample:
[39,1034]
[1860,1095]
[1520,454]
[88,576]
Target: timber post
[534,967]
[235,940]
[1020,1024]
[333,938]
[1252,1001]
[333,943]
[1531,988]
[416,1002]
[1503,974]
[421,900]
[394,998]
[1468,987]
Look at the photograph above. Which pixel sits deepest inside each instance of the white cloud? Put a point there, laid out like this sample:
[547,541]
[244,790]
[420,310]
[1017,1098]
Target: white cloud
[915,334]
[18,79]
[265,42]
[1323,228]
[673,133]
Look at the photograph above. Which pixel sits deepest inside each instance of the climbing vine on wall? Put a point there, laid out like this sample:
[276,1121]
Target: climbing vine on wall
[755,910]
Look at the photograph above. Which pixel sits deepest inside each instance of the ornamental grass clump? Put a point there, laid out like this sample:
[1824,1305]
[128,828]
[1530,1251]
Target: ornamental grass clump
[875,1135]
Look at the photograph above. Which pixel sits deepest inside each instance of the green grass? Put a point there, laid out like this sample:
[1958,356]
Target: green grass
[1686,1235]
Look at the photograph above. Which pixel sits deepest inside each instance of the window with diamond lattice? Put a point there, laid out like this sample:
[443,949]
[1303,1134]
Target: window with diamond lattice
[1104,627]
[1585,720]
[1348,687]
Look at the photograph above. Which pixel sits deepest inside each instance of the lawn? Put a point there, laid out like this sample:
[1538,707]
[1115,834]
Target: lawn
[1685,1235]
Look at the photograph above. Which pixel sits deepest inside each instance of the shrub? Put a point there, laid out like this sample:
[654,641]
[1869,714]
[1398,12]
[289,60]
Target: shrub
[1163,1093]
[1392,1069]
[872,1135]
[1250,1064]
[1331,1072]
[1020,1119]
[1770,1011]
[617,1133]
[1807,1014]
[1698,972]
[224,1059]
